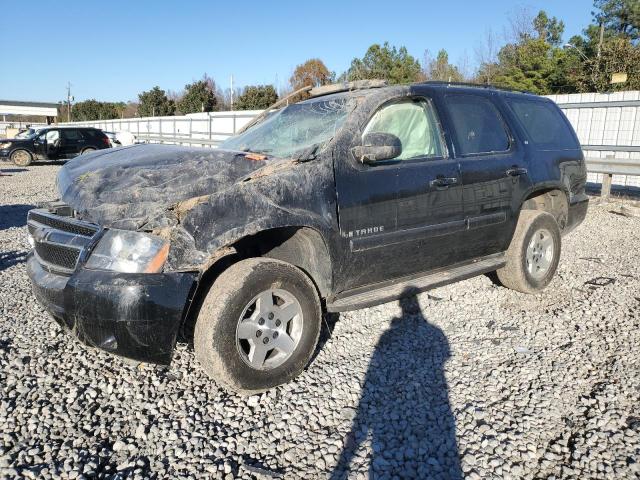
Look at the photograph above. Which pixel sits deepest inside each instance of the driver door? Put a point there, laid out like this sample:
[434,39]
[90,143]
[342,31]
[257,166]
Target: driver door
[391,211]
[40,145]
[52,144]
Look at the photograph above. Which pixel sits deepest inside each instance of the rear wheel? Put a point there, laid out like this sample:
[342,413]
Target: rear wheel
[22,158]
[258,325]
[87,150]
[534,253]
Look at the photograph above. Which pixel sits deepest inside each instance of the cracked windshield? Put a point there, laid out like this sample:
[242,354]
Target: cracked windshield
[293,129]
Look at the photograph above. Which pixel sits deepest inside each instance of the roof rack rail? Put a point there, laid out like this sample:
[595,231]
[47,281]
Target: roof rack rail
[347,87]
[476,85]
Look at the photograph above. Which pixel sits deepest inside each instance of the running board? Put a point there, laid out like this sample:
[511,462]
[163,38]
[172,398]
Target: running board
[406,286]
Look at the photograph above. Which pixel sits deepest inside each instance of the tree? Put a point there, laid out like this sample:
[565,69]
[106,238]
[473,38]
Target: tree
[487,58]
[618,55]
[256,97]
[95,110]
[526,66]
[619,17]
[548,29]
[130,110]
[312,73]
[533,61]
[440,69]
[198,96]
[387,63]
[154,103]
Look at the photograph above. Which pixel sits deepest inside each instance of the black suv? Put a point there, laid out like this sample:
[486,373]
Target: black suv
[355,196]
[55,143]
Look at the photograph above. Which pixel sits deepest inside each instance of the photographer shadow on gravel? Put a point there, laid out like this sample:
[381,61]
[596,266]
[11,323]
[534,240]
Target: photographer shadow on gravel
[404,407]
[14,215]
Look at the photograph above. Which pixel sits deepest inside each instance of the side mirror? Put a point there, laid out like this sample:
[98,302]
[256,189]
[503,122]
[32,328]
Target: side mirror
[378,146]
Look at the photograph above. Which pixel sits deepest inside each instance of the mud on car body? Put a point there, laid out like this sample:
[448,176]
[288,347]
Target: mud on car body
[353,197]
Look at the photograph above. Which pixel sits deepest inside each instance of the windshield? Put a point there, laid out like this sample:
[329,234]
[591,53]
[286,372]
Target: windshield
[293,129]
[26,134]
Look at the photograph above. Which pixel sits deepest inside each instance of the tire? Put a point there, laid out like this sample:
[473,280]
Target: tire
[233,300]
[534,253]
[21,158]
[87,150]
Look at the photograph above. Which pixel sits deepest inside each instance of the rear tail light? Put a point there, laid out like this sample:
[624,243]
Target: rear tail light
[106,141]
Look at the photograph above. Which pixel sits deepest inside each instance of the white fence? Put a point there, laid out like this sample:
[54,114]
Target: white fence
[212,128]
[608,126]
[5,125]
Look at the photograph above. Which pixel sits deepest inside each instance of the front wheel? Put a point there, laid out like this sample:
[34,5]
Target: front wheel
[534,253]
[258,325]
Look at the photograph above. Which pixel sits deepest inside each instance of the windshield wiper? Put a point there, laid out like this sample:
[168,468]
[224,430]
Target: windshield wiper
[251,150]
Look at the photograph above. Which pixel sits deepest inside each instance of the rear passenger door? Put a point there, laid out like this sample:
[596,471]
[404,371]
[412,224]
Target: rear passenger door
[431,220]
[493,167]
[72,142]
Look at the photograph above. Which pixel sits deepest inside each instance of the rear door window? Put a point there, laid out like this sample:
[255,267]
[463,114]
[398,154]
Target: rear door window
[71,135]
[478,126]
[544,124]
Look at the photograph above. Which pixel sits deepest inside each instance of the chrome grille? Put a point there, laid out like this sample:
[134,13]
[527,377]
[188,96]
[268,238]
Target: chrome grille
[66,224]
[60,243]
[66,257]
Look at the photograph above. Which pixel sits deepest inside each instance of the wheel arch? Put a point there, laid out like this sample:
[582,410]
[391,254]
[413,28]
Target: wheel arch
[24,149]
[551,198]
[301,246]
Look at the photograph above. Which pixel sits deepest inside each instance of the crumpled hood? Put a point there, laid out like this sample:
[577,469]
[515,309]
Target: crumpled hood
[133,187]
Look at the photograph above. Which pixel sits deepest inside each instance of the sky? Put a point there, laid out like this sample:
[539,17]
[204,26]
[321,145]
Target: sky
[111,51]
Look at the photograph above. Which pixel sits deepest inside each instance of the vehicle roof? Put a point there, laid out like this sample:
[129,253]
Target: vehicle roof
[68,127]
[431,85]
[480,88]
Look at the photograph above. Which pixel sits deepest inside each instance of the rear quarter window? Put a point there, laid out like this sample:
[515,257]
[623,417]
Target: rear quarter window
[90,133]
[544,125]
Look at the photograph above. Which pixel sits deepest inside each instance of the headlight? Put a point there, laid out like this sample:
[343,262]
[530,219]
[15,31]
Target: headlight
[5,146]
[129,252]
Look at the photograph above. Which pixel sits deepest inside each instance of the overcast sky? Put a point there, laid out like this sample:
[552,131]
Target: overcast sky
[114,50]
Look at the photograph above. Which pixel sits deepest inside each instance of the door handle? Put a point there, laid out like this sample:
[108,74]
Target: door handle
[516,171]
[443,182]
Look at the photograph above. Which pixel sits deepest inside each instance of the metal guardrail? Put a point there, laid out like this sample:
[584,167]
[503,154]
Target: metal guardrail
[613,166]
[610,166]
[156,138]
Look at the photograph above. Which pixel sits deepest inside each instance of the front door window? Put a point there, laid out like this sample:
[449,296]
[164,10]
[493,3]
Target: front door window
[414,123]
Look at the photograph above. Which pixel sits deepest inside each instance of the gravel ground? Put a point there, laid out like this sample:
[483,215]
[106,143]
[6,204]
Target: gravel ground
[470,380]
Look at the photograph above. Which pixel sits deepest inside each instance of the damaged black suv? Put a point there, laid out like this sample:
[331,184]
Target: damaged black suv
[355,196]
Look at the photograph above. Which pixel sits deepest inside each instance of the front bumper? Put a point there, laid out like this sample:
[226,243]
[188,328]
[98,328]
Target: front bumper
[134,315]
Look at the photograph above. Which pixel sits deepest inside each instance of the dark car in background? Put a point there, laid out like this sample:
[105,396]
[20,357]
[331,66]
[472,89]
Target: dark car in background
[55,143]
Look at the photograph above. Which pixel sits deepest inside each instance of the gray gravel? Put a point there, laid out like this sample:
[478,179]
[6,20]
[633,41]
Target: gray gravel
[470,380]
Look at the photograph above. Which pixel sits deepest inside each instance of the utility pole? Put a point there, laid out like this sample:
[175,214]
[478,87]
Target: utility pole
[601,38]
[69,98]
[231,94]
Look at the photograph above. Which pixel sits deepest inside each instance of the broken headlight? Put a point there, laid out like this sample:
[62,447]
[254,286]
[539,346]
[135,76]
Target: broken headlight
[129,252]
